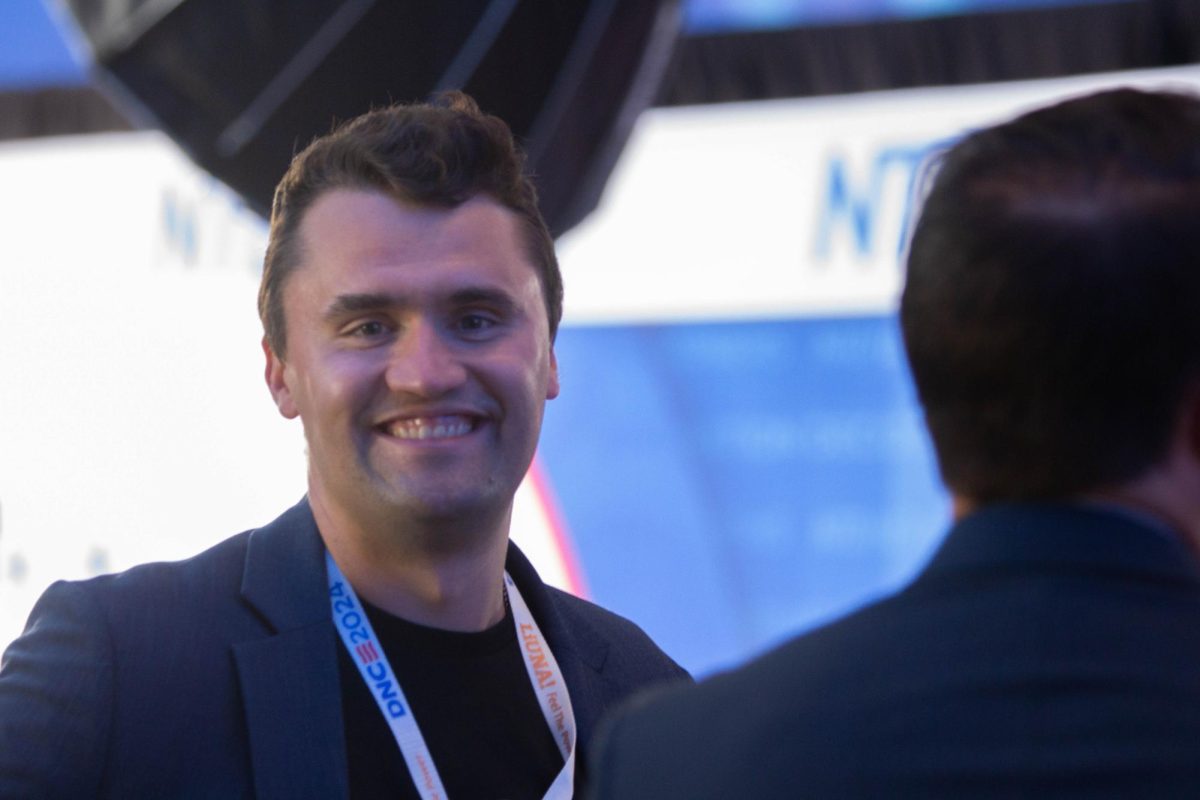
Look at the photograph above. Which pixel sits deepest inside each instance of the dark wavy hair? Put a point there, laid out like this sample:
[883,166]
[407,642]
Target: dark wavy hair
[438,154]
[1051,313]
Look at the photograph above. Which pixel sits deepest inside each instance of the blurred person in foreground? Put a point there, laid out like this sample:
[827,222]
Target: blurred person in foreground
[382,638]
[1051,648]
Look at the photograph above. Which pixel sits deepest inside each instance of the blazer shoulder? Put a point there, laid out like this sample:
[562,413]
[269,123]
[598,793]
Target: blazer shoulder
[215,572]
[624,639]
[61,679]
[56,698]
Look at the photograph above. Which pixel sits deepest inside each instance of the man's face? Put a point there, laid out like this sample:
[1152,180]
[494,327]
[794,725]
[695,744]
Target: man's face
[418,355]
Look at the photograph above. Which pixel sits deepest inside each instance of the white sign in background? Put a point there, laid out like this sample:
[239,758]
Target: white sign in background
[778,208]
[134,422]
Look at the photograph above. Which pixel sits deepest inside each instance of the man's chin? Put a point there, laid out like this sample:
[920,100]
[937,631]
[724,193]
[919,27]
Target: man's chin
[447,507]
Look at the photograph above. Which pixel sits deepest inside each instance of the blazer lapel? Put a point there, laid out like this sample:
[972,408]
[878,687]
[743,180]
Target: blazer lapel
[291,691]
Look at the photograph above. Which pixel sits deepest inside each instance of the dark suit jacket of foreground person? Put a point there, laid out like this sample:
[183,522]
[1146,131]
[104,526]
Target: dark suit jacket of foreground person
[1046,651]
[217,677]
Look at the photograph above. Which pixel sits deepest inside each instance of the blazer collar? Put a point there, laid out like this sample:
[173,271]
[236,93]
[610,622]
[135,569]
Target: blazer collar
[291,689]
[284,578]
[1064,537]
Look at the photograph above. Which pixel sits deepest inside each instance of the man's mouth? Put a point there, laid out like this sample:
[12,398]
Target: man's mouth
[424,428]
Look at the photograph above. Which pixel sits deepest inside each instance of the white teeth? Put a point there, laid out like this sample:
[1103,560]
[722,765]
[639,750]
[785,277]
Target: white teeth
[435,428]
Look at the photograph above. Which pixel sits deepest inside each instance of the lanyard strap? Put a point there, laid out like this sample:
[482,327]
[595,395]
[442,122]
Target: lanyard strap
[365,651]
[550,688]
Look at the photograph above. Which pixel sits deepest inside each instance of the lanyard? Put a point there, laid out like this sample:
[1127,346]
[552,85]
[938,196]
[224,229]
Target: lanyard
[364,648]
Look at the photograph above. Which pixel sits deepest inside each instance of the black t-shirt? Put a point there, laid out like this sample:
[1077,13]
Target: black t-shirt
[475,706]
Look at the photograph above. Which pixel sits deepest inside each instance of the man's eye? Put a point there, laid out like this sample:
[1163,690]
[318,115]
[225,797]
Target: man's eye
[369,329]
[476,322]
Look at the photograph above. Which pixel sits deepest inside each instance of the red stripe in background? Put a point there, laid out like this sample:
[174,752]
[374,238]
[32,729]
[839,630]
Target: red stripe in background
[563,543]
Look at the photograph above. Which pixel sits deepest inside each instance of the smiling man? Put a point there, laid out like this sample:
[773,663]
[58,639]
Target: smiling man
[382,638]
[419,360]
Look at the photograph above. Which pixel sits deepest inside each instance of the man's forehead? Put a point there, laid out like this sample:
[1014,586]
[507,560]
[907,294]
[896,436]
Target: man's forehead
[363,250]
[370,223]
[355,203]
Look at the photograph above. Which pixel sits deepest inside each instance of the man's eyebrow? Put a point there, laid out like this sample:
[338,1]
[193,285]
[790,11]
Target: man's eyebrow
[482,295]
[345,304]
[357,303]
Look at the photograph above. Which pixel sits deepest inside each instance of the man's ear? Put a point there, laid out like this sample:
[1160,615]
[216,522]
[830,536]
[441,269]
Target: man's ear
[276,374]
[552,384]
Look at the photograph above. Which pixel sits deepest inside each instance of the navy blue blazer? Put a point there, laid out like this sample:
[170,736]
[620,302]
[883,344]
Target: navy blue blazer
[1046,651]
[218,676]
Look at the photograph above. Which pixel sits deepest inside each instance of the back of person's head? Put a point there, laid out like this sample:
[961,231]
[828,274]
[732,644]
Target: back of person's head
[1052,307]
[437,154]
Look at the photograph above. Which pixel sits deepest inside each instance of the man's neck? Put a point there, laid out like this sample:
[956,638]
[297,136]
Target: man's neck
[393,567]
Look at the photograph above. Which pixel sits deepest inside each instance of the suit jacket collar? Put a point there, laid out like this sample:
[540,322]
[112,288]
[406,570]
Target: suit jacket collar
[1062,537]
[291,689]
[284,579]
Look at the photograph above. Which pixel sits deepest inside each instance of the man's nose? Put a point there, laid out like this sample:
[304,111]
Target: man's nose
[424,362]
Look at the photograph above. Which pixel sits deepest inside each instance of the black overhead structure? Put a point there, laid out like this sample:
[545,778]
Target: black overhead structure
[1029,41]
[243,84]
